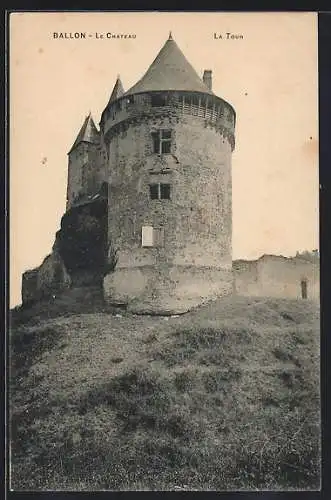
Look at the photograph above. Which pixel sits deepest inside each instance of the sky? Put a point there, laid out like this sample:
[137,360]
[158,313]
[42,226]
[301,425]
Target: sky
[269,75]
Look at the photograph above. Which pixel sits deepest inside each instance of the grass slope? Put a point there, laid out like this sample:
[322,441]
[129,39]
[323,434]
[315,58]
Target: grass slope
[225,397]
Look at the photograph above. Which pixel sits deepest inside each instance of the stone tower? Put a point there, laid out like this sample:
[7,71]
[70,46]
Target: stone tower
[85,163]
[169,141]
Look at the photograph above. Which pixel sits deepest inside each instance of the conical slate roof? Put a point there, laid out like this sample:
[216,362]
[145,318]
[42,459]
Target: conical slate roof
[88,133]
[170,70]
[118,90]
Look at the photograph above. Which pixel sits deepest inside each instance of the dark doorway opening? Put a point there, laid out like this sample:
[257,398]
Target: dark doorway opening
[304,289]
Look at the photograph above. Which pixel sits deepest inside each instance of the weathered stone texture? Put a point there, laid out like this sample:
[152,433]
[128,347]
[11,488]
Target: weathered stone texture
[77,158]
[86,170]
[48,279]
[277,276]
[197,220]
[245,276]
[166,290]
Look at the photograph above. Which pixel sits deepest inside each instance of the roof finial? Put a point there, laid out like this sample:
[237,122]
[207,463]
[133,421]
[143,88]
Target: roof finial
[170,36]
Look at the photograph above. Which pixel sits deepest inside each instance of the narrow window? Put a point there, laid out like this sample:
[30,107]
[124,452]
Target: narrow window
[165,141]
[158,100]
[165,191]
[162,141]
[159,191]
[156,142]
[304,289]
[154,191]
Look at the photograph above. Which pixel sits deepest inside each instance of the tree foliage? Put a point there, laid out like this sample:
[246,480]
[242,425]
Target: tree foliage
[83,243]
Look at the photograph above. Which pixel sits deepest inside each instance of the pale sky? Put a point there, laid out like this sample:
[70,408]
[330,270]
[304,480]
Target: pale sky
[270,78]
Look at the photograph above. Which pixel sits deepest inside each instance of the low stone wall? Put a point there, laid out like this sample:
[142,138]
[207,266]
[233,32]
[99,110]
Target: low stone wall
[166,290]
[50,278]
[277,276]
[245,278]
[281,277]
[169,289]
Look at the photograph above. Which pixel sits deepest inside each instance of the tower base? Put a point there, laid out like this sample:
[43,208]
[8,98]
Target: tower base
[166,290]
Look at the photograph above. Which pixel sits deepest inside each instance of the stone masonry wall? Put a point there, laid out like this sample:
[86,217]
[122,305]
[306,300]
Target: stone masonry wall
[197,220]
[86,170]
[77,158]
[276,276]
[245,276]
[281,277]
[52,275]
[48,279]
[166,290]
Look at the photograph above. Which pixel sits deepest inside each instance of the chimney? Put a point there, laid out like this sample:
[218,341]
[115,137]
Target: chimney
[207,78]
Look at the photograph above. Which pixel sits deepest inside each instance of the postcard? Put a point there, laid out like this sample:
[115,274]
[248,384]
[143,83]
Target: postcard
[164,251]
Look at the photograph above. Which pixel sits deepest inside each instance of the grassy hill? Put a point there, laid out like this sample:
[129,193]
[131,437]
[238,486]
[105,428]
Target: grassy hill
[224,397]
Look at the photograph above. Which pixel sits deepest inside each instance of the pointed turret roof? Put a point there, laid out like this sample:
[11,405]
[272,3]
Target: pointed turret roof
[118,90]
[170,70]
[88,133]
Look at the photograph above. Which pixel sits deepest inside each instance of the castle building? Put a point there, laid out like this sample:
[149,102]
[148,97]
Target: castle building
[164,150]
[149,202]
[168,141]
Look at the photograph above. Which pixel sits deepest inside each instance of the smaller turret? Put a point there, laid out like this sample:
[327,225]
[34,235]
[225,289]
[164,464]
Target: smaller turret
[84,172]
[118,90]
[88,133]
